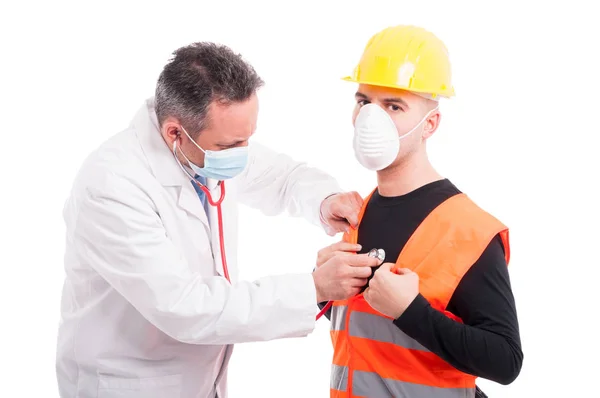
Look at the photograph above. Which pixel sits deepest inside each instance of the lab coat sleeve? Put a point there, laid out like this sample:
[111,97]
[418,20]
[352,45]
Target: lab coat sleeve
[120,235]
[273,183]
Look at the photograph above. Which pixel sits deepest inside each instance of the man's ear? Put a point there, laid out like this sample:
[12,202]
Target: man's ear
[431,124]
[171,130]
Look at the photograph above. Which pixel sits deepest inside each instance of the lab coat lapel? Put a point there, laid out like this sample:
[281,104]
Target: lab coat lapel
[191,203]
[163,164]
[214,224]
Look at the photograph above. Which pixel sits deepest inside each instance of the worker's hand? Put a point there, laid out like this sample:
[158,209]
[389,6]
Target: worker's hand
[391,293]
[343,276]
[337,248]
[339,212]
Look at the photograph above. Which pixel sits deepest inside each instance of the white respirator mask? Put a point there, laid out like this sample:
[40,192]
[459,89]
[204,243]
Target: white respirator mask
[376,141]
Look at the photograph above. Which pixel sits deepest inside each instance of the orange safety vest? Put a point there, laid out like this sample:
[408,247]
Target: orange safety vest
[374,358]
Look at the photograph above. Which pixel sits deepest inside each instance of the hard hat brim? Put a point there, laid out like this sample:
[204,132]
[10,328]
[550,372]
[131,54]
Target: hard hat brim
[447,94]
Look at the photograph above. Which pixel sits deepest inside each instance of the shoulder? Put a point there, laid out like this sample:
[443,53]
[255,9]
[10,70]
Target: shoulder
[465,209]
[115,167]
[467,219]
[490,271]
[494,254]
[259,153]
[488,277]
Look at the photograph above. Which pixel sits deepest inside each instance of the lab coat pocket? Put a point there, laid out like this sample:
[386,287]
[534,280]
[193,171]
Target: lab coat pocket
[146,387]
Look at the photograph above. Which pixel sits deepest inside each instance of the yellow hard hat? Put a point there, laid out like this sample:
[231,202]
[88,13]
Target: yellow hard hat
[406,57]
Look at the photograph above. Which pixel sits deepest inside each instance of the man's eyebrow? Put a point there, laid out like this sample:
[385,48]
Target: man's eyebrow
[396,100]
[390,100]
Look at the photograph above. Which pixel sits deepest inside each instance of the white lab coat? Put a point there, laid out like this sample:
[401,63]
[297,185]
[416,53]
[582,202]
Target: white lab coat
[146,312]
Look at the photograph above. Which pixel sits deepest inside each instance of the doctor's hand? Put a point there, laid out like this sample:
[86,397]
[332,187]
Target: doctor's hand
[340,211]
[341,247]
[391,293]
[343,276]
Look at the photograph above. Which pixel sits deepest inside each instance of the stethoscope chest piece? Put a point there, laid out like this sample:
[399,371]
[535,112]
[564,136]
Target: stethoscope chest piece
[377,253]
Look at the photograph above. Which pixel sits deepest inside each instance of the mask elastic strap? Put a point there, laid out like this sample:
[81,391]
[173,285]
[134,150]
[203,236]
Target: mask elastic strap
[178,162]
[185,170]
[195,143]
[418,124]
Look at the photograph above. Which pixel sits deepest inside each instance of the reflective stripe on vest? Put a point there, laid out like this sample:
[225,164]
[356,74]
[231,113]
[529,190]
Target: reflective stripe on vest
[372,327]
[338,317]
[373,357]
[369,384]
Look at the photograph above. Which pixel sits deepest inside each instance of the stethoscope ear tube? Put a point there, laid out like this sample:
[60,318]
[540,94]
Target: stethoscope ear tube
[214,203]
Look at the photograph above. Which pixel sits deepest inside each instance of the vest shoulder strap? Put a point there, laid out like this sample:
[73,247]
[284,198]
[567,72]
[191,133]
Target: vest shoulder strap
[352,235]
[446,244]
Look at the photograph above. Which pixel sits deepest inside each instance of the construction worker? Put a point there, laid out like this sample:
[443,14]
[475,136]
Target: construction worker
[439,312]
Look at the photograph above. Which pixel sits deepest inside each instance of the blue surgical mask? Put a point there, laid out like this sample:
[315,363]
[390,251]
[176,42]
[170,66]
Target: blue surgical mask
[220,165]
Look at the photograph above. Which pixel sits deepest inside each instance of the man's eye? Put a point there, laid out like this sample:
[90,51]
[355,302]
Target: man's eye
[363,102]
[394,108]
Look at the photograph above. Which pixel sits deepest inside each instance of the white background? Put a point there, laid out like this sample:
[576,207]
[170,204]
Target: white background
[520,138]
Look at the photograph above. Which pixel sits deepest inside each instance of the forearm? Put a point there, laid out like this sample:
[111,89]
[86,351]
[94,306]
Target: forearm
[274,183]
[271,308]
[304,191]
[208,310]
[472,350]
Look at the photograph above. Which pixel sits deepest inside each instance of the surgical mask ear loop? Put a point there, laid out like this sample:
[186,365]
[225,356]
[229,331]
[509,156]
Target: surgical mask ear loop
[418,124]
[195,143]
[191,139]
[221,184]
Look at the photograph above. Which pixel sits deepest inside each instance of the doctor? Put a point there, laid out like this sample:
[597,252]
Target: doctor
[151,303]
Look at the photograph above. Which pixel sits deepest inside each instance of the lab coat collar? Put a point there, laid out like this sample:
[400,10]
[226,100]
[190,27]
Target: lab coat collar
[163,163]
[159,155]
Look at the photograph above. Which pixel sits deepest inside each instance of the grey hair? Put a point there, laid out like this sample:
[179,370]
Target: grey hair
[196,76]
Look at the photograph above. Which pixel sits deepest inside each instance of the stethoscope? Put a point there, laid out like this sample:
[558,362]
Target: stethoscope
[213,203]
[377,253]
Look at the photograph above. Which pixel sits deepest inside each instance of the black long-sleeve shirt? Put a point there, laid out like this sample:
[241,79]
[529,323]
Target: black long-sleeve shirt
[487,344]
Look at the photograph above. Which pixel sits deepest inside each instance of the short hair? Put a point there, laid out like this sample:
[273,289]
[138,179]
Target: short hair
[196,76]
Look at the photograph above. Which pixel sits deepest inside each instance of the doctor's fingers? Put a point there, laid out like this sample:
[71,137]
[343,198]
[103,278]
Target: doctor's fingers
[322,258]
[336,225]
[356,200]
[345,212]
[359,272]
[351,216]
[336,249]
[355,203]
[360,260]
[359,282]
[342,246]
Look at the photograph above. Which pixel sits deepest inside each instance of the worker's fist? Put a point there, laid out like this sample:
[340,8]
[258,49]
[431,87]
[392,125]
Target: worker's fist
[343,276]
[341,247]
[391,293]
[339,212]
